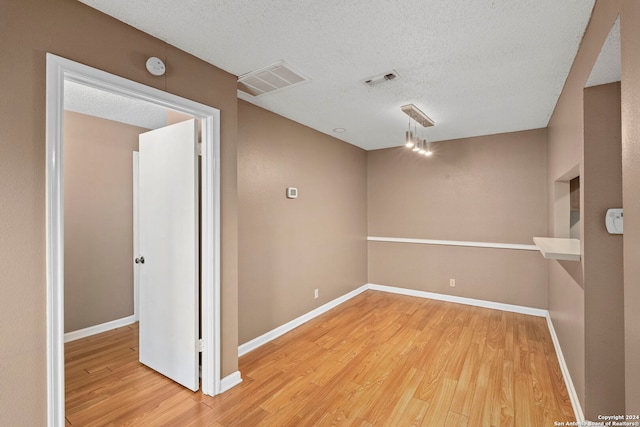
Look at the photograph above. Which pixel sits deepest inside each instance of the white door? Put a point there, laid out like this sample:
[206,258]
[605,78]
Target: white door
[168,257]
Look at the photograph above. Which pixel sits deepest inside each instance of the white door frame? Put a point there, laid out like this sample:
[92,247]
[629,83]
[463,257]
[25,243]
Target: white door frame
[58,70]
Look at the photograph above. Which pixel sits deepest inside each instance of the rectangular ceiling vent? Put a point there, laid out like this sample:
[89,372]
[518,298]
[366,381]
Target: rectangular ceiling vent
[270,79]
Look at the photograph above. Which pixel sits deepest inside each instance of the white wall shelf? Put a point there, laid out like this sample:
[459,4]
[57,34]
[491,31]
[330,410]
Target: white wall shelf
[557,248]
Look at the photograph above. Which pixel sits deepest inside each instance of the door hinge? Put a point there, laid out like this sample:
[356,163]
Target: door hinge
[200,344]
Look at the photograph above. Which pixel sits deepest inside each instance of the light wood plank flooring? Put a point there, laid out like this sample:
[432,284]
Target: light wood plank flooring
[377,360]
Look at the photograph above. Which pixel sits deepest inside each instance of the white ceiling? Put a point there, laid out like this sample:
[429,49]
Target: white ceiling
[475,67]
[94,102]
[608,66]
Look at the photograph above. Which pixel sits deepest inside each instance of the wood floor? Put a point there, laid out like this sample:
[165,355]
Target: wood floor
[377,360]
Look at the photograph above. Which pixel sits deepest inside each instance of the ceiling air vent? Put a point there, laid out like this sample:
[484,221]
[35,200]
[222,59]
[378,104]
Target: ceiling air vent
[376,80]
[270,79]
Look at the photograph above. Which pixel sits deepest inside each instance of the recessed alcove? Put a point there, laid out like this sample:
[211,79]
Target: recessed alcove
[574,208]
[565,242]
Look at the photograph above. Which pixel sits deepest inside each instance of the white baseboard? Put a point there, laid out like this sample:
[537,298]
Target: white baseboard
[571,390]
[103,327]
[280,330]
[230,381]
[461,300]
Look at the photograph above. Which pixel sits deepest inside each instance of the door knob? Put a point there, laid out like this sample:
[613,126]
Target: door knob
[140,260]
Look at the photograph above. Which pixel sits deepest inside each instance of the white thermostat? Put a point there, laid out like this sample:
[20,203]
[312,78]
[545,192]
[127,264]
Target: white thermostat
[292,193]
[614,221]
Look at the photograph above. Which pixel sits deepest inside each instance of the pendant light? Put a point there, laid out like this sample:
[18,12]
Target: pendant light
[416,145]
[408,140]
[428,151]
[412,140]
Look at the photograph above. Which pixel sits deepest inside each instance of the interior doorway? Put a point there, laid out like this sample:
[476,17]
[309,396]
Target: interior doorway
[59,71]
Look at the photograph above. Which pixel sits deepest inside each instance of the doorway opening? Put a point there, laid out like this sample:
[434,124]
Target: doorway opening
[59,71]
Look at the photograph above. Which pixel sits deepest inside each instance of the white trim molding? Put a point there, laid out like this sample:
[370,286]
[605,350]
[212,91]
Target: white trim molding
[55,242]
[210,232]
[571,390]
[461,300]
[230,381]
[491,245]
[283,329]
[60,70]
[98,329]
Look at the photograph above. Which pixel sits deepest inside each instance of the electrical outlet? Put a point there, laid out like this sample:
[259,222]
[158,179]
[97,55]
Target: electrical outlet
[315,293]
[452,283]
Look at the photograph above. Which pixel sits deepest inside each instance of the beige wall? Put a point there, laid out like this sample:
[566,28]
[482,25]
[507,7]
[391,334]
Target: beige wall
[500,275]
[483,189]
[566,136]
[98,218]
[29,29]
[602,253]
[570,306]
[289,247]
[630,42]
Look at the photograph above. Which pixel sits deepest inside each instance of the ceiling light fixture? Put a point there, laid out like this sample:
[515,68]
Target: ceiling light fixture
[408,138]
[428,151]
[411,140]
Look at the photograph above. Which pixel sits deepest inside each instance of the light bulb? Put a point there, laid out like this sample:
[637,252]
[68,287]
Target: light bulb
[428,151]
[408,139]
[422,144]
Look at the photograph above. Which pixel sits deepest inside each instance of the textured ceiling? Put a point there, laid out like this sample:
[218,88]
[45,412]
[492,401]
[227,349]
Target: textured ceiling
[475,67]
[98,103]
[608,66]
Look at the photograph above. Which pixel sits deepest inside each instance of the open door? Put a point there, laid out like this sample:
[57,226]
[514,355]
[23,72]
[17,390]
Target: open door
[168,258]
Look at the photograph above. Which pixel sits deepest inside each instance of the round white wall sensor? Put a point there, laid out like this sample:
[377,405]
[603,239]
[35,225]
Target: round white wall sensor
[155,66]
